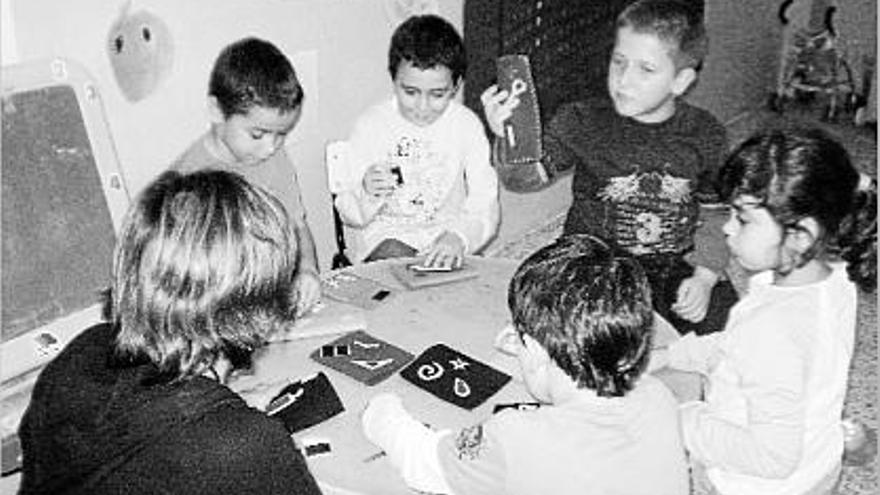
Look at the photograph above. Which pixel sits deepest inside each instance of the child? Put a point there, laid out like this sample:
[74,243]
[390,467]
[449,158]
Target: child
[201,277]
[641,160]
[582,333]
[419,173]
[255,100]
[771,422]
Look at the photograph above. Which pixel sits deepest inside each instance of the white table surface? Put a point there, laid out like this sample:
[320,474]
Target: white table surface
[464,315]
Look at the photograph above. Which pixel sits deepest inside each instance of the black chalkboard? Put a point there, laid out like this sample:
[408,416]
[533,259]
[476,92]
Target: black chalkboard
[57,232]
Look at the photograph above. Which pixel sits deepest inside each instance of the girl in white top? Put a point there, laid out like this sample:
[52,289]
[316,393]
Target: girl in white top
[804,220]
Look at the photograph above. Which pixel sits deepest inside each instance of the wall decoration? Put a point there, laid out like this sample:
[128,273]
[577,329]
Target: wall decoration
[141,52]
[399,10]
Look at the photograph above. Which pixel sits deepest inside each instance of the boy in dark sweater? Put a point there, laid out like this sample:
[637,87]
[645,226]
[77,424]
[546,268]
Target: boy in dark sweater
[642,161]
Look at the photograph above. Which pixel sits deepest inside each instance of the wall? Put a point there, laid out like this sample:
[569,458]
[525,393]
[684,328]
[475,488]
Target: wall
[740,70]
[339,48]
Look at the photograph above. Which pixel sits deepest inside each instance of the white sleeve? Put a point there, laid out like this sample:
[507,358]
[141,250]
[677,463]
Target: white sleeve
[355,206]
[480,215]
[410,445]
[769,442]
[693,353]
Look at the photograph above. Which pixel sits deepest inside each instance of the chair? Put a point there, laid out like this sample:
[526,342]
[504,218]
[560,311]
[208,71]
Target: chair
[335,154]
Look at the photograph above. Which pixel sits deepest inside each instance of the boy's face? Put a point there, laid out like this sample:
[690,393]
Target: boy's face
[423,95]
[253,137]
[642,78]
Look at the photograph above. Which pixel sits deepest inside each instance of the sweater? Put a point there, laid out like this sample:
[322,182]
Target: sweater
[97,424]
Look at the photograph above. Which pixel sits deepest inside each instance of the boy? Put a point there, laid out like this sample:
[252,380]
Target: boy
[582,334]
[641,161]
[419,178]
[255,100]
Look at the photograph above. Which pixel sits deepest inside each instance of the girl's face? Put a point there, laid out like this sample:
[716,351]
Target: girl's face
[423,95]
[753,236]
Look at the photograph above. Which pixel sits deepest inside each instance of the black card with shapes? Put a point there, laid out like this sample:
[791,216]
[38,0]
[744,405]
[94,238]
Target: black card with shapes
[363,357]
[523,129]
[305,403]
[454,377]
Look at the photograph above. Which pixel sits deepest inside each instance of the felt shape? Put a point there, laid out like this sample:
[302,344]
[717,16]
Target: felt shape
[362,356]
[305,403]
[141,52]
[454,376]
[522,131]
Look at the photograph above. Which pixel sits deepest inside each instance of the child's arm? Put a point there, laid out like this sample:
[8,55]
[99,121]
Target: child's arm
[365,177]
[710,255]
[692,353]
[471,462]
[760,430]
[308,284]
[531,176]
[410,445]
[478,219]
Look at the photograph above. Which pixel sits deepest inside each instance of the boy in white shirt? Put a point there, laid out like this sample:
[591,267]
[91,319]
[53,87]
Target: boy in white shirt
[419,178]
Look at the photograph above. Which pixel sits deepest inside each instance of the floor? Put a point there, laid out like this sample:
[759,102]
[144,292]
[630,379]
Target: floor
[861,402]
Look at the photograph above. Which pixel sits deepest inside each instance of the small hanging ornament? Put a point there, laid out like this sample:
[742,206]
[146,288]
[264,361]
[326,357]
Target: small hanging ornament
[141,52]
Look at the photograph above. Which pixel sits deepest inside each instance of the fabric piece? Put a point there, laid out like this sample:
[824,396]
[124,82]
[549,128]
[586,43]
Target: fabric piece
[454,376]
[522,138]
[363,357]
[305,403]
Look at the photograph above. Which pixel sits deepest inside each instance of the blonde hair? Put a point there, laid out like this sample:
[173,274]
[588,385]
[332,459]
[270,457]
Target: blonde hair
[203,267]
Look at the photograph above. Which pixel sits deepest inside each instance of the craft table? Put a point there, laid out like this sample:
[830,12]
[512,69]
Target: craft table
[465,315]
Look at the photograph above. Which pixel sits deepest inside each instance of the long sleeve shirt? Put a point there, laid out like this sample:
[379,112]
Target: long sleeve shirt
[448,183]
[587,445]
[635,183]
[770,422]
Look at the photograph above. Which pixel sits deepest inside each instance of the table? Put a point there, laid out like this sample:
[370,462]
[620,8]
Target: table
[465,315]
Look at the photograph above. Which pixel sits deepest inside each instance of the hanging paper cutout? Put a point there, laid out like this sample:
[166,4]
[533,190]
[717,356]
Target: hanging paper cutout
[141,52]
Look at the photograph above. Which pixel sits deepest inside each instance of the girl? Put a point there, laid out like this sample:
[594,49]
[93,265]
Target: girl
[804,220]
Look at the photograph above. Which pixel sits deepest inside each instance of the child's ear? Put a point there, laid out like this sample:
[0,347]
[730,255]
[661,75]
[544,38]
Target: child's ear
[683,80]
[805,235]
[215,113]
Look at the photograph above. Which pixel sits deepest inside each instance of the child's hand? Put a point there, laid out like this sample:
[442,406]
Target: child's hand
[308,289]
[447,251]
[694,295]
[378,180]
[497,108]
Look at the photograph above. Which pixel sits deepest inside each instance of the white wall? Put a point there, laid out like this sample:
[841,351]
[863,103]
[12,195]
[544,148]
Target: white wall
[338,47]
